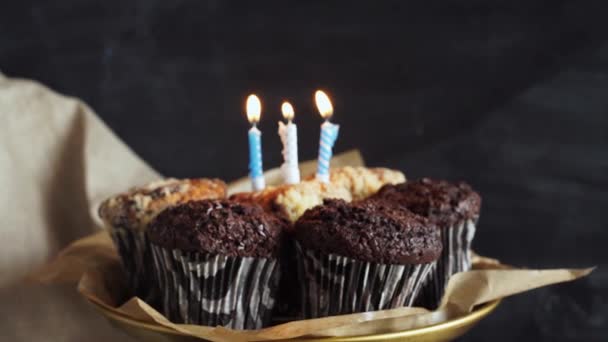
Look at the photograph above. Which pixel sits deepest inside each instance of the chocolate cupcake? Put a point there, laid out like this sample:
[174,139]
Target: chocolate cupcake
[290,201]
[217,263]
[126,216]
[362,256]
[454,207]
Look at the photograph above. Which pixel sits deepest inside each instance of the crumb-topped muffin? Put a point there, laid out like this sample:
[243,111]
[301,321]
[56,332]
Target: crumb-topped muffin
[362,256]
[362,181]
[216,262]
[346,183]
[135,208]
[291,201]
[126,217]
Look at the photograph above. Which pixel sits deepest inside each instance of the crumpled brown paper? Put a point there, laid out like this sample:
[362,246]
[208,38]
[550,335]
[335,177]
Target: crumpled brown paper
[103,282]
[58,160]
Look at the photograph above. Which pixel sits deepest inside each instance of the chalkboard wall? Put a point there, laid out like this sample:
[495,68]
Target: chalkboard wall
[510,96]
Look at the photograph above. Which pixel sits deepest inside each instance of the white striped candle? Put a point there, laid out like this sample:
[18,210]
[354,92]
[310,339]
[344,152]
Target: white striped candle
[289,137]
[329,135]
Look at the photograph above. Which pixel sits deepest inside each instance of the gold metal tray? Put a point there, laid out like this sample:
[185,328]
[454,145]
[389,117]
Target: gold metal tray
[446,331]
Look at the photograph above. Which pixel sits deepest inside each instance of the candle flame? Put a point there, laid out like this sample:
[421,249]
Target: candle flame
[287,110]
[254,109]
[323,104]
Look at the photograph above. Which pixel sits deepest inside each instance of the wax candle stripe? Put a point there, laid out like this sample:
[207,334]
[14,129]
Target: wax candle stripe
[325,152]
[325,141]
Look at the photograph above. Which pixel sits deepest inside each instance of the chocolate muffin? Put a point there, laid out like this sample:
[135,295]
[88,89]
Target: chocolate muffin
[438,200]
[363,256]
[217,263]
[455,208]
[290,201]
[126,216]
[217,227]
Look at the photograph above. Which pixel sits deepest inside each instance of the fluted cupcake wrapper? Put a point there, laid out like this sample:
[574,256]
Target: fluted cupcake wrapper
[136,256]
[216,290]
[455,257]
[335,285]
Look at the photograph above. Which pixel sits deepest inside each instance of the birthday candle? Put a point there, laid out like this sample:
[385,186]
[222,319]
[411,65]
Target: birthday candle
[256,173]
[289,136]
[329,134]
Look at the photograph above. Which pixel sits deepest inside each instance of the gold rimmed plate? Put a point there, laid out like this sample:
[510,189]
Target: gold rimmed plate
[445,331]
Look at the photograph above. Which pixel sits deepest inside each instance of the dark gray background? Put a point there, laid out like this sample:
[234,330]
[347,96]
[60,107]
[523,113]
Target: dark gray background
[509,96]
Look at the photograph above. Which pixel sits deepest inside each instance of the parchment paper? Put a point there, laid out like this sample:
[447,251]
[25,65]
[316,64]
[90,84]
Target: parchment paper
[102,282]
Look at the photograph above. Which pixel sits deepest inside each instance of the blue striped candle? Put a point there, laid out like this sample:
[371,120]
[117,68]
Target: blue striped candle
[255,159]
[254,109]
[329,134]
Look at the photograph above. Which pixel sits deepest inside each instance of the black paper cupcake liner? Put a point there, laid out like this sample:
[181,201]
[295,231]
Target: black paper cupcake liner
[136,257]
[455,257]
[335,285]
[216,290]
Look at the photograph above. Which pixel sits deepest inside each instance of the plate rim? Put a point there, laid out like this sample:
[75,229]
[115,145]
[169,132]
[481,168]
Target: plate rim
[478,313]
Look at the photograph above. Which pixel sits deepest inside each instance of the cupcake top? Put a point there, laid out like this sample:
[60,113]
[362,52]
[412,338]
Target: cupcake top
[291,201]
[439,200]
[362,181]
[369,231]
[348,183]
[217,227]
[135,208]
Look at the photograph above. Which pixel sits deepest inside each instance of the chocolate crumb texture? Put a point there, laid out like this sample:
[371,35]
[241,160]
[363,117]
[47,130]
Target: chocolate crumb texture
[369,231]
[441,201]
[221,227]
